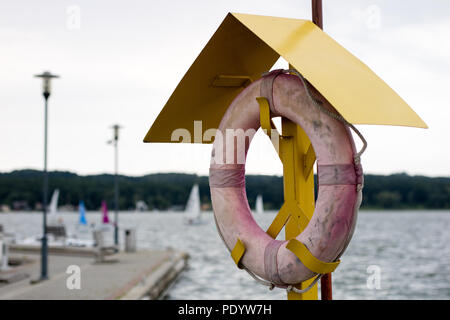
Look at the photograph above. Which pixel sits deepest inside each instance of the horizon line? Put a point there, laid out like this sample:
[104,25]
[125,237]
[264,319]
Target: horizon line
[199,175]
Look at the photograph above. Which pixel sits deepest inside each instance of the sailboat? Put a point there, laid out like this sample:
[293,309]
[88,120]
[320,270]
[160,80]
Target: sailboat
[55,226]
[53,205]
[106,223]
[56,229]
[105,218]
[82,226]
[259,208]
[82,236]
[82,214]
[192,211]
[53,209]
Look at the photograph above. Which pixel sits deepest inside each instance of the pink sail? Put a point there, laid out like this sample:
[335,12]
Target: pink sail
[105,212]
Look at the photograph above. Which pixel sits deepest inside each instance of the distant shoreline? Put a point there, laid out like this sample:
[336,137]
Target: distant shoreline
[22,190]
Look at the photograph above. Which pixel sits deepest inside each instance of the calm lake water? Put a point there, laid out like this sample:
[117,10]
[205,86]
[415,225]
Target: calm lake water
[409,250]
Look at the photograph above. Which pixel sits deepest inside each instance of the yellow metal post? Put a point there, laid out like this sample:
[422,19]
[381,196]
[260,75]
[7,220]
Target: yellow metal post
[302,174]
[298,186]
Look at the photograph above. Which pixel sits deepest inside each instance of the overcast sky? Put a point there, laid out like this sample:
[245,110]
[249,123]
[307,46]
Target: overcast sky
[119,62]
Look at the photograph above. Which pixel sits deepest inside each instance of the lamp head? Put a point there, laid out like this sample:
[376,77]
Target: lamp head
[116,128]
[46,83]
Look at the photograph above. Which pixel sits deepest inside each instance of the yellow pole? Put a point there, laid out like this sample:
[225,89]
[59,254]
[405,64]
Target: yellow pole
[298,186]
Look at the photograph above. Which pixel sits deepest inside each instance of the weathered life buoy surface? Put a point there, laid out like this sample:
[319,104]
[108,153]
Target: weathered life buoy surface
[339,181]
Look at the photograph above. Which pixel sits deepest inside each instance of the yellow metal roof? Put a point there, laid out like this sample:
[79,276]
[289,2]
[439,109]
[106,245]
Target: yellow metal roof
[245,46]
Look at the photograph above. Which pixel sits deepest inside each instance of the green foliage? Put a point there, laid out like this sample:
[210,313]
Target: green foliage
[388,199]
[171,190]
[403,191]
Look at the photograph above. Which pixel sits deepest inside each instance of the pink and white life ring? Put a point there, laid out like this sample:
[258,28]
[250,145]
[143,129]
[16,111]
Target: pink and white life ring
[340,181]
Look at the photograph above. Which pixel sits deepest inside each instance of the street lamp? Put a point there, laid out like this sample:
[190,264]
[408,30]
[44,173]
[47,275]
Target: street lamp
[114,141]
[46,90]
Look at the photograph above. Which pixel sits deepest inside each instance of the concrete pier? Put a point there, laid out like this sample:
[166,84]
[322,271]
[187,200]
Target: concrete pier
[125,275]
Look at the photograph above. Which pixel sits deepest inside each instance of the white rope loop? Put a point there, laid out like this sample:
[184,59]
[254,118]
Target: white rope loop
[318,105]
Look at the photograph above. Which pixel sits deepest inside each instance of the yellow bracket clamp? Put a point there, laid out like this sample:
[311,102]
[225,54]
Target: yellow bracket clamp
[289,209]
[278,223]
[308,163]
[266,122]
[237,253]
[300,251]
[308,260]
[264,115]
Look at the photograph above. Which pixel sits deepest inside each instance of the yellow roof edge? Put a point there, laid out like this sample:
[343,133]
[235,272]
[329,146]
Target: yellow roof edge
[338,51]
[247,45]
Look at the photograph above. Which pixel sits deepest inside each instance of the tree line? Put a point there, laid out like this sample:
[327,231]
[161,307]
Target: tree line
[164,191]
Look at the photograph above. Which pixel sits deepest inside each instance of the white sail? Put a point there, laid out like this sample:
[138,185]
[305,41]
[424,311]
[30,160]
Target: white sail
[259,204]
[53,218]
[192,210]
[54,203]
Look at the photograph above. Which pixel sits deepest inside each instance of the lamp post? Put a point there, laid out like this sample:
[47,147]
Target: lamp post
[114,141]
[46,90]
